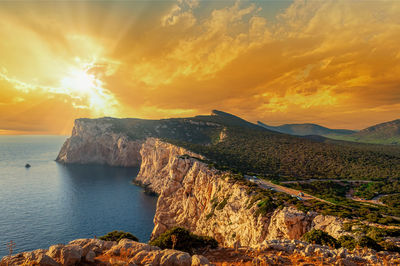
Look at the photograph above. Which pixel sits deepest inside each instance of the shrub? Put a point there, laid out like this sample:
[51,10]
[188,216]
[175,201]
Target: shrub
[320,237]
[222,204]
[366,241]
[389,246]
[265,206]
[184,240]
[376,234]
[117,236]
[347,242]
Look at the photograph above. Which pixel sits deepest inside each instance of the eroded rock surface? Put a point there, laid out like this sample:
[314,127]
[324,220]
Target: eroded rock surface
[207,201]
[93,142]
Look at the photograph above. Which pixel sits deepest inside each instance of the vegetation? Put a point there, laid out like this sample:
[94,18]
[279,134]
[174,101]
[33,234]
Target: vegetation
[320,237]
[347,241]
[372,189]
[329,190]
[181,239]
[373,239]
[117,236]
[392,200]
[366,241]
[335,192]
[283,157]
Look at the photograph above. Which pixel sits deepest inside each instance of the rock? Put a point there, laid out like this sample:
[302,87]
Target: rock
[175,258]
[288,223]
[130,248]
[45,260]
[347,262]
[198,260]
[93,141]
[342,252]
[309,250]
[372,258]
[167,257]
[71,254]
[55,251]
[330,224]
[90,255]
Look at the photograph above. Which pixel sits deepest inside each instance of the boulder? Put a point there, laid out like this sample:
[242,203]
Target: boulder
[55,251]
[71,255]
[89,257]
[44,260]
[198,260]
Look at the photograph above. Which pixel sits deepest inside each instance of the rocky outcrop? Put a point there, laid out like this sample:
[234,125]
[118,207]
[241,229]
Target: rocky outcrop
[94,142]
[192,195]
[209,202]
[99,252]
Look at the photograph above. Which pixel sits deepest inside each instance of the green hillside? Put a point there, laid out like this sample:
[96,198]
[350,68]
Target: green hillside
[249,148]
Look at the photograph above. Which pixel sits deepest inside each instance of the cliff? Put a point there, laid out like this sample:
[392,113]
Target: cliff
[191,194]
[94,141]
[210,202]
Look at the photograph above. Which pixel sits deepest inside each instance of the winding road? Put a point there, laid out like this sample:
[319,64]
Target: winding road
[293,192]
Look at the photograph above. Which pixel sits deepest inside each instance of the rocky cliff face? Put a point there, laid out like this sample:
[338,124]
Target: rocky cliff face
[209,202]
[93,141]
[191,194]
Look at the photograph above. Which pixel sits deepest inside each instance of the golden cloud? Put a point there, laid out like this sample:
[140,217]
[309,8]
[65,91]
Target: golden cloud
[329,62]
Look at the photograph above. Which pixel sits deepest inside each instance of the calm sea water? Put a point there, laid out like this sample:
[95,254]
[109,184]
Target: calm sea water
[51,203]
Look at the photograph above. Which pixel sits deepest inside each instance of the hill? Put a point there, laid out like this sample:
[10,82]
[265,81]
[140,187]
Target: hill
[384,133]
[230,142]
[306,129]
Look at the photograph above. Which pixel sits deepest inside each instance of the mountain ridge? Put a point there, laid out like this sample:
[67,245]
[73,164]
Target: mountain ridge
[382,133]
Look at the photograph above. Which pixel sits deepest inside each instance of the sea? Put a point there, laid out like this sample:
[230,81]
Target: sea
[51,203]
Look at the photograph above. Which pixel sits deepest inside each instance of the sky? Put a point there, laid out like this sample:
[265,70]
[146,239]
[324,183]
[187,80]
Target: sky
[332,62]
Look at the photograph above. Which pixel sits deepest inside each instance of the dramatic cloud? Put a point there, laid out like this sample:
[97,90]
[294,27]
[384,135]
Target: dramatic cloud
[331,62]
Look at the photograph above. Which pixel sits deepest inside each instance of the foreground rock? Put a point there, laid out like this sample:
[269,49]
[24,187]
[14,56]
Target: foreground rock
[99,252]
[128,252]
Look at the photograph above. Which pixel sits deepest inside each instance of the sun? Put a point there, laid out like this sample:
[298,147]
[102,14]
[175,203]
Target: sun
[87,90]
[79,81]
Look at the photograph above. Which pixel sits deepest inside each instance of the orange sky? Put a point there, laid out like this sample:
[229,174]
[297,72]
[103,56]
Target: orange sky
[335,63]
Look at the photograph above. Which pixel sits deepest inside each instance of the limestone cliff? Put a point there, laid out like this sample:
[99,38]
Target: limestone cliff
[93,141]
[209,202]
[191,194]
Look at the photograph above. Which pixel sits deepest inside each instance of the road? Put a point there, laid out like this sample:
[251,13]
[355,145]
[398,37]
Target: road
[333,180]
[293,192]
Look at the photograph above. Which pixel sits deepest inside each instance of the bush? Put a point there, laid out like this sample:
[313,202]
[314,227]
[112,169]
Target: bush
[184,240]
[366,241]
[265,206]
[320,237]
[376,234]
[347,242]
[117,236]
[389,246]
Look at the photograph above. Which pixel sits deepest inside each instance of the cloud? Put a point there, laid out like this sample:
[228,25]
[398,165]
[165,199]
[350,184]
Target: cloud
[333,62]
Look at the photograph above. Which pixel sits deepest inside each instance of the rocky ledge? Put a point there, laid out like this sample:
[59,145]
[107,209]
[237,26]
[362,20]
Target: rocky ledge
[127,252]
[99,252]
